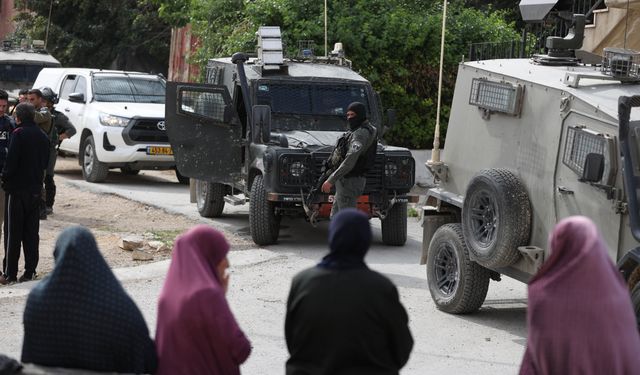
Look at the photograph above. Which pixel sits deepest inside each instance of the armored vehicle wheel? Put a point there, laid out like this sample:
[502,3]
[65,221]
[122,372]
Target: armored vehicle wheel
[184,180]
[394,225]
[127,170]
[496,217]
[263,223]
[457,284]
[635,300]
[209,198]
[93,170]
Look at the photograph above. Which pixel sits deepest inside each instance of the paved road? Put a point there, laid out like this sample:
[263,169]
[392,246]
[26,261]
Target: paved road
[488,342]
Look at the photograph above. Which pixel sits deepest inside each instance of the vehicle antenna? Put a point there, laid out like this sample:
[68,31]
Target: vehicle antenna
[325,29]
[435,154]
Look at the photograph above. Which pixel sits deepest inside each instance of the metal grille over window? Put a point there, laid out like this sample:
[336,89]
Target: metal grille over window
[496,96]
[580,143]
[206,104]
[621,63]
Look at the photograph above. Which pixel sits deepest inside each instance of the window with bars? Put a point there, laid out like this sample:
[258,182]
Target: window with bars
[496,96]
[579,143]
[209,105]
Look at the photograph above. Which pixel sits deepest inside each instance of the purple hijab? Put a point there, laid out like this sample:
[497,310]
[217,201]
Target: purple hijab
[196,331]
[580,319]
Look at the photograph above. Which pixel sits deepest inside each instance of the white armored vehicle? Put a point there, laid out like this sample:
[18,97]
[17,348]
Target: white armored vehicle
[529,142]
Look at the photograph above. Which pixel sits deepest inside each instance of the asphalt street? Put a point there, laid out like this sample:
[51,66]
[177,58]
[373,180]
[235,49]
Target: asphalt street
[488,342]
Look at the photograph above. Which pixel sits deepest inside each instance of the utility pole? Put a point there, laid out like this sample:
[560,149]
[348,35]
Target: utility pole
[326,51]
[46,35]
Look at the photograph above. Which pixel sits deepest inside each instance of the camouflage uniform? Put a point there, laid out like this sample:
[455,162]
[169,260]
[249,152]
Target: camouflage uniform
[348,187]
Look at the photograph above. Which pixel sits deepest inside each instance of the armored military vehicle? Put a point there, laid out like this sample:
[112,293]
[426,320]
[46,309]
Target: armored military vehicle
[20,65]
[529,142]
[261,128]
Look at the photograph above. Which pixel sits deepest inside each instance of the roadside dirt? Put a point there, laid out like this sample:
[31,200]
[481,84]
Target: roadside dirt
[110,218]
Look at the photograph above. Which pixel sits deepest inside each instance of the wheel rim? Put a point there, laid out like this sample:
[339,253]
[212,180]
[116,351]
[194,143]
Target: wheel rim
[484,218]
[88,158]
[446,270]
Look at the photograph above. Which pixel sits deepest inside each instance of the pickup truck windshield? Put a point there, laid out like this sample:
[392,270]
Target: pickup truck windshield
[129,89]
[311,99]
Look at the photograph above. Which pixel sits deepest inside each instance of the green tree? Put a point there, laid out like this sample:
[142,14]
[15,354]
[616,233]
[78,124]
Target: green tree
[117,34]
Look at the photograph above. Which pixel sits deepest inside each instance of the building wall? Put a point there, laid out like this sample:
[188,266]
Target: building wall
[183,44]
[7,12]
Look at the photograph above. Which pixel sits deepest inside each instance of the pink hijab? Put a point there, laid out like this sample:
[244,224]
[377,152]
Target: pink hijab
[196,331]
[580,319]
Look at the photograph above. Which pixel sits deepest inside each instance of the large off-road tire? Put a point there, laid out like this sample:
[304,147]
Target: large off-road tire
[496,217]
[127,170]
[93,170]
[184,180]
[394,225]
[457,284]
[263,222]
[635,300]
[210,198]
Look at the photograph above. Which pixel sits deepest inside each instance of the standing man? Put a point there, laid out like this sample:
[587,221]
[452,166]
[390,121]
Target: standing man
[62,129]
[6,127]
[359,156]
[22,176]
[44,120]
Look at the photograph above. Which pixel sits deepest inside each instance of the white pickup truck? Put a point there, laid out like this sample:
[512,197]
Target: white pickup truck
[119,117]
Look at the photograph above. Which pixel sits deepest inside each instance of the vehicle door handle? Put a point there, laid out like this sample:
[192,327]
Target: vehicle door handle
[564,190]
[67,109]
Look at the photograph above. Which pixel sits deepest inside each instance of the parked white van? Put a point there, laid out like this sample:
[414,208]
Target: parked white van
[119,117]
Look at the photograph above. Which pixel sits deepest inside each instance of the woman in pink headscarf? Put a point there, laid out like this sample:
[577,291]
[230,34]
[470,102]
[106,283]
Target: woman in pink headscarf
[580,318]
[196,331]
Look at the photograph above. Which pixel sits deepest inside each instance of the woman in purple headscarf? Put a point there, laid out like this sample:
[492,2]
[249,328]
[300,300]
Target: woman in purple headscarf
[342,317]
[196,331]
[580,318]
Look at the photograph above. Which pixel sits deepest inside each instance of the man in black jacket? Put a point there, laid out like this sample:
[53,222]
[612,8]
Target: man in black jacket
[22,177]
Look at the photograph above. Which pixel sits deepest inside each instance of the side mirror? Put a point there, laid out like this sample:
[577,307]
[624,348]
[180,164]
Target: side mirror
[593,168]
[261,123]
[391,117]
[77,97]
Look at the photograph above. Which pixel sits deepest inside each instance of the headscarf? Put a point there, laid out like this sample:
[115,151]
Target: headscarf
[196,331]
[360,117]
[580,319]
[349,240]
[81,317]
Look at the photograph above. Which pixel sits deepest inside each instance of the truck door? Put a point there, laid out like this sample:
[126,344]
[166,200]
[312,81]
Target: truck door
[74,110]
[583,135]
[204,131]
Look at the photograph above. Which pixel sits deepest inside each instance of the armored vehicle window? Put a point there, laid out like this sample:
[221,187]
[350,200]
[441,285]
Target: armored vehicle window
[581,142]
[306,99]
[206,104]
[128,89]
[19,72]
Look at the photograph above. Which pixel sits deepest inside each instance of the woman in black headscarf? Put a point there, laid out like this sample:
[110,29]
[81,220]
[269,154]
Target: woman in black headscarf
[80,316]
[342,317]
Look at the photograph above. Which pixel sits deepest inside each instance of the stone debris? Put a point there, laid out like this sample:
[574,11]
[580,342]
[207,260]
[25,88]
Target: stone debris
[130,244]
[138,254]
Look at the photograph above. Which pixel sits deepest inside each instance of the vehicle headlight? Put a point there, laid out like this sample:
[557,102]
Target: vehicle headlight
[390,169]
[297,169]
[111,120]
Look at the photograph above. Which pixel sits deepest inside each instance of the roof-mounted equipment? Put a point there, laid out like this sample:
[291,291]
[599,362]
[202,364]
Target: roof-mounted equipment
[621,63]
[562,51]
[270,47]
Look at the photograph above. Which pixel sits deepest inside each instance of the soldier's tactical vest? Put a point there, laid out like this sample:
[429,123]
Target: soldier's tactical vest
[368,158]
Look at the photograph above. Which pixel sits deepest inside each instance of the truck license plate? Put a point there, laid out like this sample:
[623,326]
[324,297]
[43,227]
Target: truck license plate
[159,150]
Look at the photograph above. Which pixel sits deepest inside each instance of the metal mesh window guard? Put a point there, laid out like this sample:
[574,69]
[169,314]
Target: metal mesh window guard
[495,96]
[205,104]
[579,144]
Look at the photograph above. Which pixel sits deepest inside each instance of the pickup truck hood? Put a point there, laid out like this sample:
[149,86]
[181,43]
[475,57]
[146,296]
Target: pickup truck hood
[130,110]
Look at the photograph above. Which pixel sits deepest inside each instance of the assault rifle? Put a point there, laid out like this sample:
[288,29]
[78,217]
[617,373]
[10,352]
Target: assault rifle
[328,167]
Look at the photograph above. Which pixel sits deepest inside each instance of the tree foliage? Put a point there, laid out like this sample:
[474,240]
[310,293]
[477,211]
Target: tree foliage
[117,34]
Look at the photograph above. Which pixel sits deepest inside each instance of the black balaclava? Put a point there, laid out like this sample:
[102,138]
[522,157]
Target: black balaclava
[361,115]
[349,240]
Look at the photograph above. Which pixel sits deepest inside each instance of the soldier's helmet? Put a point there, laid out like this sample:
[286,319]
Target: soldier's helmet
[48,94]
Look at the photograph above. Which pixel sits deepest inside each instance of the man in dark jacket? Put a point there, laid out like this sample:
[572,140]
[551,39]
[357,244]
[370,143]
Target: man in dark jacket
[6,127]
[22,176]
[342,317]
[349,177]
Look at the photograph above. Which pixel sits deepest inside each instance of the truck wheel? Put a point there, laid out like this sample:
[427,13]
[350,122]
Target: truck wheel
[127,170]
[184,180]
[93,170]
[394,225]
[263,223]
[210,198]
[457,284]
[635,300]
[496,217]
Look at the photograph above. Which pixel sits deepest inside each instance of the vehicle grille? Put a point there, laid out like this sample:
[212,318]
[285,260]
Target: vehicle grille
[148,131]
[375,175]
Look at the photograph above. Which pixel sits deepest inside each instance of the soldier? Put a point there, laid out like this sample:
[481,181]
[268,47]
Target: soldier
[357,157]
[6,127]
[44,120]
[62,129]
